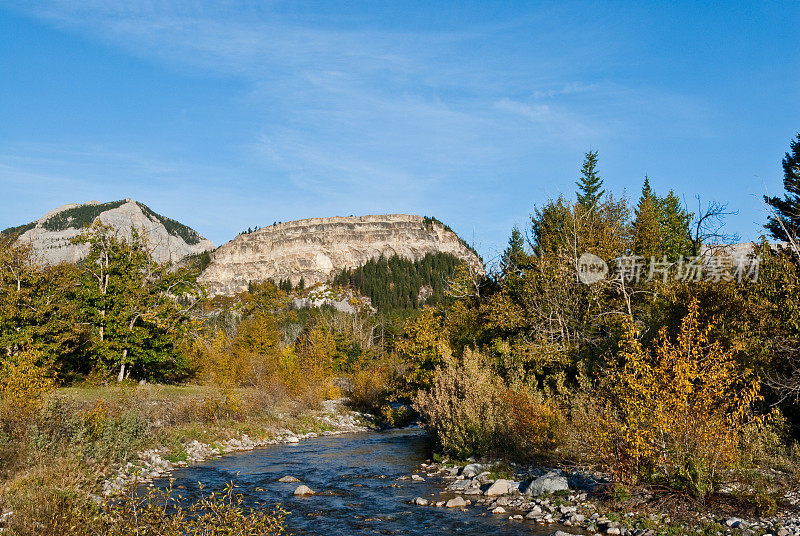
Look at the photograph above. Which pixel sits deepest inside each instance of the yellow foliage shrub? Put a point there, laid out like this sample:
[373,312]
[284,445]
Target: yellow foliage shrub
[676,413]
[96,419]
[370,388]
[25,382]
[535,424]
[424,347]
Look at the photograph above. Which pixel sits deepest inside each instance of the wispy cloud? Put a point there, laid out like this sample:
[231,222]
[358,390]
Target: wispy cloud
[346,114]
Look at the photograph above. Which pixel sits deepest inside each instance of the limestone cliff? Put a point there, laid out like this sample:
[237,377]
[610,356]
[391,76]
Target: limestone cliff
[317,248]
[51,235]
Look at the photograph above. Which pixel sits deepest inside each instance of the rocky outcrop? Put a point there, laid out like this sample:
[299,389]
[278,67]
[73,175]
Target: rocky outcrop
[50,237]
[317,248]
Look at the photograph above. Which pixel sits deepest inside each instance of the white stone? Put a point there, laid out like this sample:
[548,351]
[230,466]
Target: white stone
[303,490]
[456,502]
[549,483]
[500,487]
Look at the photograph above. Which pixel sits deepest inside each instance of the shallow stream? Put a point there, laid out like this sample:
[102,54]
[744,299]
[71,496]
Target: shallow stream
[355,478]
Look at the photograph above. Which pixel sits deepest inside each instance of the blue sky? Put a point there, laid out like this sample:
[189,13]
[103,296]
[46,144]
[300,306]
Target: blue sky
[233,114]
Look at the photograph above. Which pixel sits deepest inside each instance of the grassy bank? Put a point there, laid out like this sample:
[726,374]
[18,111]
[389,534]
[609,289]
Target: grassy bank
[55,459]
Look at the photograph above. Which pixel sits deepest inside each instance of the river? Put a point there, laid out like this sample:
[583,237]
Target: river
[356,480]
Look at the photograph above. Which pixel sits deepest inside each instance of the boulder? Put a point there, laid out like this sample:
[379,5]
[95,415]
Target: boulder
[501,486]
[456,502]
[548,483]
[499,510]
[419,501]
[303,490]
[288,478]
[459,485]
[472,470]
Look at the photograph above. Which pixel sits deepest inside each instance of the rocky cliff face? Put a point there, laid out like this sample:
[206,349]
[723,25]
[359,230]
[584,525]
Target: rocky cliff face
[50,236]
[317,248]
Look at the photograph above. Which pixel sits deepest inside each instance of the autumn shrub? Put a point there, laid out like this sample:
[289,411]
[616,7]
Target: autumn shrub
[50,499]
[306,382]
[97,436]
[465,408]
[535,424]
[26,381]
[371,388]
[674,414]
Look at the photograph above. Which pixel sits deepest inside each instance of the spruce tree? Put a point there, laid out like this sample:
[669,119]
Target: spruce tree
[513,256]
[676,238]
[590,184]
[646,228]
[784,223]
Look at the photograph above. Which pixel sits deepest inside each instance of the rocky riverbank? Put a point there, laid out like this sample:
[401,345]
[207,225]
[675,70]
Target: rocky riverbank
[335,418]
[572,498]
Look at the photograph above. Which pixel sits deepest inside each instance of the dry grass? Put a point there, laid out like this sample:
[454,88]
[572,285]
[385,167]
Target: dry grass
[51,468]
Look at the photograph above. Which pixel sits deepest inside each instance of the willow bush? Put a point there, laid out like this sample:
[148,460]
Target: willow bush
[675,414]
[471,410]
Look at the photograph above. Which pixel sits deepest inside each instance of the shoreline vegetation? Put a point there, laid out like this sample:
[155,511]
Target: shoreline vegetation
[93,447]
[664,363]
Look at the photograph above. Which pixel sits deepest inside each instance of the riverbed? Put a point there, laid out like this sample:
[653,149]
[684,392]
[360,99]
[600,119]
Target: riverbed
[358,485]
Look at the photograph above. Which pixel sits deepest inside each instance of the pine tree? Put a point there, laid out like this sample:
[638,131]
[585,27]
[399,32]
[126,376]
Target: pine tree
[784,223]
[510,262]
[676,239]
[590,184]
[646,227]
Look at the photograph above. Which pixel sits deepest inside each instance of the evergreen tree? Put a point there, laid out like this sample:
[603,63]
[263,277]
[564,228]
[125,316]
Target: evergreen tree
[395,283]
[674,221]
[514,261]
[590,184]
[646,225]
[784,223]
[302,284]
[513,255]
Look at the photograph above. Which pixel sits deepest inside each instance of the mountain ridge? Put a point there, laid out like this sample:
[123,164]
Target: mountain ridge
[50,237]
[316,249]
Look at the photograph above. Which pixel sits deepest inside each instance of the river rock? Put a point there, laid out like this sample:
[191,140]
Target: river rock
[288,478]
[501,486]
[459,485]
[472,470]
[303,490]
[456,502]
[561,533]
[548,483]
[499,510]
[417,478]
[419,501]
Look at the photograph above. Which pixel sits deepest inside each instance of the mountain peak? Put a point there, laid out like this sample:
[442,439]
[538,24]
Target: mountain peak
[316,249]
[51,235]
